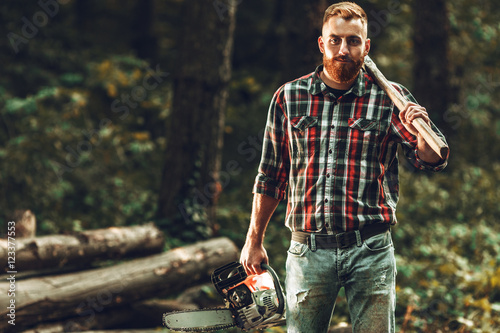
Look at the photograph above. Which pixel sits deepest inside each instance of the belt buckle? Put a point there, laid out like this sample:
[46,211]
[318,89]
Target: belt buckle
[340,238]
[311,242]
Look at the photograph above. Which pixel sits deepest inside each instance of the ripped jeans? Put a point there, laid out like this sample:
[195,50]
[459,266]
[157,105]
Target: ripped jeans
[366,270]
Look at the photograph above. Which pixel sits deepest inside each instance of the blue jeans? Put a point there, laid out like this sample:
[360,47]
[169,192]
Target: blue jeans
[366,270]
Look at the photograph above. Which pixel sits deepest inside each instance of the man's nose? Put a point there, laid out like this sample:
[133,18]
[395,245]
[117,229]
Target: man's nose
[343,48]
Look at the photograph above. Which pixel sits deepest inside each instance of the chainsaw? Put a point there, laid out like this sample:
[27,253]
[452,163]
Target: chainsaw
[252,302]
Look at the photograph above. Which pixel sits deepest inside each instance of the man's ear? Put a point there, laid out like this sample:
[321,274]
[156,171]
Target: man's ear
[321,44]
[367,46]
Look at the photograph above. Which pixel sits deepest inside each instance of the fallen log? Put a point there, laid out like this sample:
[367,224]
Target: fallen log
[150,313]
[107,319]
[57,329]
[86,293]
[204,296]
[144,315]
[81,248]
[124,331]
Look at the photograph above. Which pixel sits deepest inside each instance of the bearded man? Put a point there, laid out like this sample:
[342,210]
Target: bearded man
[331,144]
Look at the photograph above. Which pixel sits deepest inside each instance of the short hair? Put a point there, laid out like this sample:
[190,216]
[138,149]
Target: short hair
[346,10]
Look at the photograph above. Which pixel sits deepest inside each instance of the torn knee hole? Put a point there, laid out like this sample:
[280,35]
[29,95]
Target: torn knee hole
[301,295]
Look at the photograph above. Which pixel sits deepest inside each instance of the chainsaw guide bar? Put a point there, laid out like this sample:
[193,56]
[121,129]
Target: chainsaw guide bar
[199,320]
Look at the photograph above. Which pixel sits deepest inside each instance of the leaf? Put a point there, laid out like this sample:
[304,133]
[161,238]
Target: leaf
[447,269]
[495,307]
[71,79]
[17,105]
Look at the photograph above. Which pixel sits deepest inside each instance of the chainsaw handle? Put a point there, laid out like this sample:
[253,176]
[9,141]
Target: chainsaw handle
[277,286]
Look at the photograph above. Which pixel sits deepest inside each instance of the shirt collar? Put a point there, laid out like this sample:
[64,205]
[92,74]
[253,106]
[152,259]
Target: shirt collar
[318,86]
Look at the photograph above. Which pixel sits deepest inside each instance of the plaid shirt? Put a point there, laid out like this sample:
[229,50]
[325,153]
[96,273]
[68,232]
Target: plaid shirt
[337,156]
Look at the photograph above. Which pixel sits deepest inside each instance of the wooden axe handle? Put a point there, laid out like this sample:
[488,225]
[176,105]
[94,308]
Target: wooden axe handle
[423,129]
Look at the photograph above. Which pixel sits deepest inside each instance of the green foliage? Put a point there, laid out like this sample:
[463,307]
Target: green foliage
[73,159]
[447,279]
[448,250]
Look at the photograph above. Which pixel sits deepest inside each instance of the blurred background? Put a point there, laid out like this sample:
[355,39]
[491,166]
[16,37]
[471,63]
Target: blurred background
[117,113]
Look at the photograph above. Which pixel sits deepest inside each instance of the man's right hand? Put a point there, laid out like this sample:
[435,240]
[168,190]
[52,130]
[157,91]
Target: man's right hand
[253,253]
[252,256]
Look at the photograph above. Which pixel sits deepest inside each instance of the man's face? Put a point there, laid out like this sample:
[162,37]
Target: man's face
[344,46]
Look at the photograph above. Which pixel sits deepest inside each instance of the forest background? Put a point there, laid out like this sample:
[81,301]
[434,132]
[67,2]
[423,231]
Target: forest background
[121,112]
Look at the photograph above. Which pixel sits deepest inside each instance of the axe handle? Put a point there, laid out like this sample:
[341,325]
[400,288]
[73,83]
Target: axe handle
[422,127]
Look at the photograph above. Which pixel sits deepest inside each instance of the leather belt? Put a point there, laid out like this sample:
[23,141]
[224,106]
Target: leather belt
[341,240]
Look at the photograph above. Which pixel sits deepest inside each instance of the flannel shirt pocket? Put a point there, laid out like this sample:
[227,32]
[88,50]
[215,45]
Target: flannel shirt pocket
[301,123]
[370,131]
[364,137]
[363,124]
[304,134]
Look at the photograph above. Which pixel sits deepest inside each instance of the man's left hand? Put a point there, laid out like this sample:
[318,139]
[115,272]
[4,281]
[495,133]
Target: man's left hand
[411,112]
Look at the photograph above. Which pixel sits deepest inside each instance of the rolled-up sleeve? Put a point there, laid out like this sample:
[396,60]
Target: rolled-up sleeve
[272,177]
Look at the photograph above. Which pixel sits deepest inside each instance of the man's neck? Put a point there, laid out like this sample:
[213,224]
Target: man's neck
[334,84]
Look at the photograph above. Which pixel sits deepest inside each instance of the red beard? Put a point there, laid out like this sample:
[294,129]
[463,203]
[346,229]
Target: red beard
[342,72]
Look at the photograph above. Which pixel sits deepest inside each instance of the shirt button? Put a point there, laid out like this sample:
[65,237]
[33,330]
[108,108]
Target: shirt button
[327,175]
[332,126]
[330,151]
[326,200]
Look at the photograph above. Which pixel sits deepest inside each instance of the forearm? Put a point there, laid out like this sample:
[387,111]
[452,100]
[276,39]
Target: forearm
[253,253]
[410,113]
[425,152]
[263,208]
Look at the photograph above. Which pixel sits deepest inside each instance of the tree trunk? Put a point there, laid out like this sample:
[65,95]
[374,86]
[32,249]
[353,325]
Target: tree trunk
[298,25]
[81,248]
[190,182]
[86,293]
[145,42]
[431,67]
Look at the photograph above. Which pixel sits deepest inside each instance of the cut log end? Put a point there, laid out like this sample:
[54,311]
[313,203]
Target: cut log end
[25,226]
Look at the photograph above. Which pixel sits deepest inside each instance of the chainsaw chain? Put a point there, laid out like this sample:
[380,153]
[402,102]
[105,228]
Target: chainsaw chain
[200,329]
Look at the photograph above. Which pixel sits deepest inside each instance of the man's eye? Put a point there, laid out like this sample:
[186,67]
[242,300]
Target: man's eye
[334,40]
[354,41]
